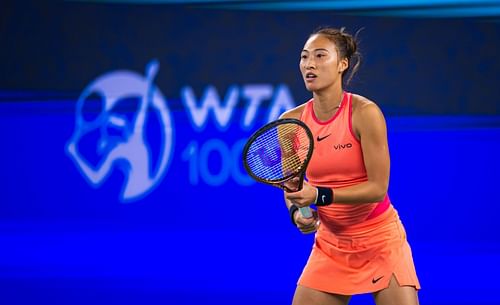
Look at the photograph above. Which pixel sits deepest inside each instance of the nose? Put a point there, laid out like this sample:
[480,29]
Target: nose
[309,63]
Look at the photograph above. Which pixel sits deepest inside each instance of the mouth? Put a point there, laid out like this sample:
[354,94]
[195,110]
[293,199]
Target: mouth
[310,76]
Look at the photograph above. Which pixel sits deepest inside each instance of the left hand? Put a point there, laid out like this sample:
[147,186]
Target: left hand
[307,225]
[304,197]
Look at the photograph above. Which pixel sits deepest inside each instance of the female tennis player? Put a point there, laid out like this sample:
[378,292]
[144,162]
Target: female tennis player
[360,244]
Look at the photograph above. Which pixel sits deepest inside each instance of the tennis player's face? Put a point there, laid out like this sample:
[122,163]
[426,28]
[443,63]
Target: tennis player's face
[320,65]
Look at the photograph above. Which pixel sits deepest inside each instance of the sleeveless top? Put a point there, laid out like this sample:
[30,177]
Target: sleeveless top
[337,162]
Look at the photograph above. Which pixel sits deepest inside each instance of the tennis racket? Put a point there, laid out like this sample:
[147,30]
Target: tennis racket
[278,152]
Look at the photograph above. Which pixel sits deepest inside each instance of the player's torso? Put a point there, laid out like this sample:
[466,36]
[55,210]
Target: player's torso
[337,160]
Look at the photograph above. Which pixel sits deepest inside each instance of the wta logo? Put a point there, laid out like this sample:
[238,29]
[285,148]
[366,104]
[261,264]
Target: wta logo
[116,116]
[123,125]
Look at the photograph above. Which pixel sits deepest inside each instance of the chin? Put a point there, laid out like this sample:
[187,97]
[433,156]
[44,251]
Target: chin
[312,88]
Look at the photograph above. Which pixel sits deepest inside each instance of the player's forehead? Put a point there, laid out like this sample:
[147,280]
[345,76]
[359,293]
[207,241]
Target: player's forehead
[318,42]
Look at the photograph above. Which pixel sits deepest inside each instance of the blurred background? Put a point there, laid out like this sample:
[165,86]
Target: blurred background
[122,125]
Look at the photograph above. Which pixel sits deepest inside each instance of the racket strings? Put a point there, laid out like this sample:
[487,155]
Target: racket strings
[279,152]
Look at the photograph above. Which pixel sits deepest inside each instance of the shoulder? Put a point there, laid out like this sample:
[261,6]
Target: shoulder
[366,116]
[294,113]
[364,108]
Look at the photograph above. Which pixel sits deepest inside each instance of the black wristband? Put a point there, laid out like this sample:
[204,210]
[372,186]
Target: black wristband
[325,196]
[293,208]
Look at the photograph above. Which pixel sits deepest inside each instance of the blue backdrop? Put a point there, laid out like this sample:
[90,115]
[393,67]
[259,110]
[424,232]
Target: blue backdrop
[122,127]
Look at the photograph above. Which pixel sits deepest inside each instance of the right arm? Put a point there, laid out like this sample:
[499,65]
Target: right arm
[305,225]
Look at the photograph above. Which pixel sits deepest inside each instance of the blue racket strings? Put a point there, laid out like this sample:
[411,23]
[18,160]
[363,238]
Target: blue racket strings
[278,153]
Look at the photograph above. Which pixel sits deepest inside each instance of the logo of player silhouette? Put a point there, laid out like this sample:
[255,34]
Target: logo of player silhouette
[122,123]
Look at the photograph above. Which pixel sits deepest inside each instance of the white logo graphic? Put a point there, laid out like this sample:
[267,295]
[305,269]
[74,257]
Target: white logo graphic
[117,134]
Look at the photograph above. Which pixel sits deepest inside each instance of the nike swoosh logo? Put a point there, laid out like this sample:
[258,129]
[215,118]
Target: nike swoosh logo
[322,138]
[374,280]
[323,198]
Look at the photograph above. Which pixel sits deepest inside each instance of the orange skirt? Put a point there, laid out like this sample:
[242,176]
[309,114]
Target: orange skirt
[361,259]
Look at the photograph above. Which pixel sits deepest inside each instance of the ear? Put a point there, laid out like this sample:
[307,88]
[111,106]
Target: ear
[343,64]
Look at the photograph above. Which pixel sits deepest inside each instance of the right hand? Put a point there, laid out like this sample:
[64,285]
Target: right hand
[307,225]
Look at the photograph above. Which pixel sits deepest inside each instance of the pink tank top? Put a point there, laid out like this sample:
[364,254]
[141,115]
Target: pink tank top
[337,162]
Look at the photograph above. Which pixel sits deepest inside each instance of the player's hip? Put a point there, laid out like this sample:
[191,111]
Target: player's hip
[379,232]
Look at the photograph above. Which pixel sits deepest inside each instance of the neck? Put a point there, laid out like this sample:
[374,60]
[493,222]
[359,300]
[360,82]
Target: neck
[326,103]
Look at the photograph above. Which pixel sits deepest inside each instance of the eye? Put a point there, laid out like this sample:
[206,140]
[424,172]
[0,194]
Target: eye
[303,56]
[320,55]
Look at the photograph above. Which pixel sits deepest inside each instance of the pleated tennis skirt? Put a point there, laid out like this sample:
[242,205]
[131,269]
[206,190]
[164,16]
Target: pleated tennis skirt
[361,259]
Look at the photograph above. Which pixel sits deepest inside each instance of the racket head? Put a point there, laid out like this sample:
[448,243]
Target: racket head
[278,152]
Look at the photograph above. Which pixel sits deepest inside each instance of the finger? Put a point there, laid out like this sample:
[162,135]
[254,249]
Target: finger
[299,204]
[299,196]
[308,224]
[305,221]
[317,223]
[308,230]
[292,195]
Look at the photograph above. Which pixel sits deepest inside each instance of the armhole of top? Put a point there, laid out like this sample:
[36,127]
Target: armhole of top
[298,112]
[349,104]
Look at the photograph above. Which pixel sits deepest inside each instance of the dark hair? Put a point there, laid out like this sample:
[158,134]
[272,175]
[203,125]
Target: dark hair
[347,47]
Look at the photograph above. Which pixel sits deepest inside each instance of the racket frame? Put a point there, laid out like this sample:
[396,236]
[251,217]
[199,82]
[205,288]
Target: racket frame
[305,211]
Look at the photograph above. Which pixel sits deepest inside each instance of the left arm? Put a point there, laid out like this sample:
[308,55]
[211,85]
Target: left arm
[369,124]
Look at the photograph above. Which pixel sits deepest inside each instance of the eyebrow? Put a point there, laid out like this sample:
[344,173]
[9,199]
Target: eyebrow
[320,49]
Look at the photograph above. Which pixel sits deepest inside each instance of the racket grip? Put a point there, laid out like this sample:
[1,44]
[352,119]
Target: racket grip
[306,212]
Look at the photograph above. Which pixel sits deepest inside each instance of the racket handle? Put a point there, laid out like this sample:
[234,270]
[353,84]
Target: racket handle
[306,212]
